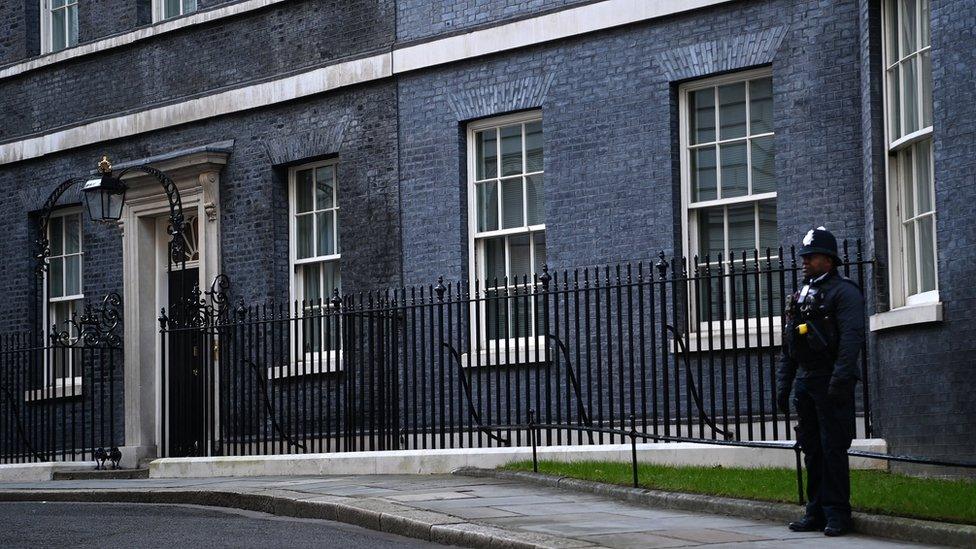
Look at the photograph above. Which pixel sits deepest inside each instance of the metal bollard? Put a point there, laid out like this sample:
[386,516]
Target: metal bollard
[633,448]
[535,459]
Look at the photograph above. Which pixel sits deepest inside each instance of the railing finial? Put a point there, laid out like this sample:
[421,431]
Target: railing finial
[440,289]
[662,265]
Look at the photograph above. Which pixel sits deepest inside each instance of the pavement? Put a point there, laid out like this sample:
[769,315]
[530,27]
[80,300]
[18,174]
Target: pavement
[38,525]
[487,512]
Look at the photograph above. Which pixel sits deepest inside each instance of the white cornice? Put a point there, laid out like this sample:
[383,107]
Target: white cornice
[519,34]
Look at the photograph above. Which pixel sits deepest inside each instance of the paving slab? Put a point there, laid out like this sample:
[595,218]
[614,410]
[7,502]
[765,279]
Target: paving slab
[480,512]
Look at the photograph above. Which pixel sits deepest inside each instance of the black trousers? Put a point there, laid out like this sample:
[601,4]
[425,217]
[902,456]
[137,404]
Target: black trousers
[826,428]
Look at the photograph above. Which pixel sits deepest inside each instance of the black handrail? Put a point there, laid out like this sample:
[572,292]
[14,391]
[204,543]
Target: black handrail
[467,393]
[259,374]
[584,413]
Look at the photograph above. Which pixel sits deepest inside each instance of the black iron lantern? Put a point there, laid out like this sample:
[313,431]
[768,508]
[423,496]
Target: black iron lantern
[104,195]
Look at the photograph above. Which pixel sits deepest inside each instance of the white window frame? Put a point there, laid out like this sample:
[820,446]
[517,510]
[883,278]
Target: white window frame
[159,7]
[310,362]
[47,37]
[688,207]
[525,347]
[898,271]
[71,379]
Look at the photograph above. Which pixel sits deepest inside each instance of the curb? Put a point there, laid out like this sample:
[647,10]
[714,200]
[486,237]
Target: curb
[369,513]
[899,528]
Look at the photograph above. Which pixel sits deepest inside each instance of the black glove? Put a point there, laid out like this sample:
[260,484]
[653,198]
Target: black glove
[783,398]
[840,389]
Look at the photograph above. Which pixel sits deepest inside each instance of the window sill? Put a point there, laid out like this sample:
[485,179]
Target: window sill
[512,352]
[907,316]
[329,364]
[702,342]
[61,389]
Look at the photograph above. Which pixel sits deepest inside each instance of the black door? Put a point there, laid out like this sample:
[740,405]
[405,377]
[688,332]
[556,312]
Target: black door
[185,370]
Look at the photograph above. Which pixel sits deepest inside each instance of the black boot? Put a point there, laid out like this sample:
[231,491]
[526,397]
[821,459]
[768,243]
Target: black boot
[807,524]
[835,529]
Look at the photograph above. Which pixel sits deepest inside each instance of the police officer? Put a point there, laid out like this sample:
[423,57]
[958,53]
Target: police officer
[821,341]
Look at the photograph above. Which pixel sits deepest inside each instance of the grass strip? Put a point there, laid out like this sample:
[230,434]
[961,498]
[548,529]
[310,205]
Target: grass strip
[876,492]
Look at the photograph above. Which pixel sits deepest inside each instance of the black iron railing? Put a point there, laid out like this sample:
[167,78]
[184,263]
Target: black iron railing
[61,392]
[688,348]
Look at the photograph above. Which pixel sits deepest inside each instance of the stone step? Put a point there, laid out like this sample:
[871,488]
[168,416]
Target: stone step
[101,474]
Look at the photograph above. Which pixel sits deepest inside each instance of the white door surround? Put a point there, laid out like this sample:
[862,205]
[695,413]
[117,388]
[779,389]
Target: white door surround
[197,176]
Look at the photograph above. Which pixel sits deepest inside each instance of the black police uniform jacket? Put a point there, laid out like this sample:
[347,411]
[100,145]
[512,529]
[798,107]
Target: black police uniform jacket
[840,323]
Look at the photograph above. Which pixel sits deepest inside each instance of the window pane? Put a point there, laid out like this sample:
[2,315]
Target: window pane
[519,309]
[72,229]
[923,24]
[923,180]
[330,279]
[511,149]
[763,167]
[891,30]
[539,242]
[926,253]
[326,233]
[767,227]
[519,258]
[58,3]
[58,36]
[487,206]
[926,60]
[324,191]
[732,110]
[55,279]
[894,103]
[72,16]
[910,80]
[311,289]
[908,184]
[495,313]
[304,236]
[303,191]
[189,5]
[703,180]
[761,106]
[72,275]
[536,199]
[171,8]
[711,233]
[735,178]
[533,146]
[494,261]
[908,32]
[742,228]
[56,232]
[487,155]
[512,203]
[910,258]
[702,116]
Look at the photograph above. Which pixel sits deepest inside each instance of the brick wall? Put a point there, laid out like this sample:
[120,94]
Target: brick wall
[417,19]
[184,63]
[254,236]
[611,173]
[923,404]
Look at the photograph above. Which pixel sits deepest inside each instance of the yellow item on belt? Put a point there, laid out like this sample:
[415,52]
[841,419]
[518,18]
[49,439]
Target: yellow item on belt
[802,329]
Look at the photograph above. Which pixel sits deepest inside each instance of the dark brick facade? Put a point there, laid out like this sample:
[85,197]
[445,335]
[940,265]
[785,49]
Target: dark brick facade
[418,19]
[609,102]
[603,116]
[924,403]
[191,62]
